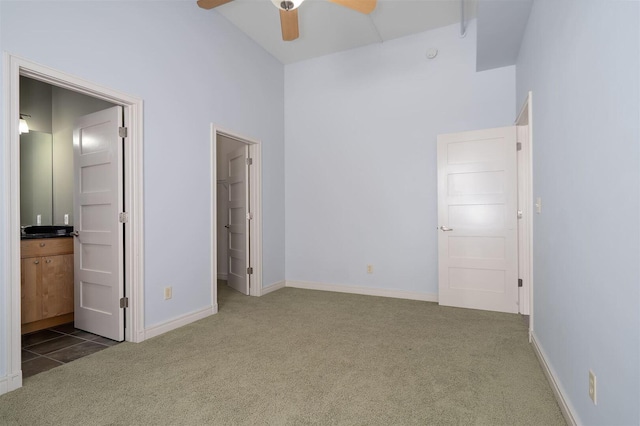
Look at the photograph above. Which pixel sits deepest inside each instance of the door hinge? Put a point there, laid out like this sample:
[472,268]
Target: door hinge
[249,216]
[249,270]
[519,282]
[519,146]
[122,132]
[123,217]
[249,161]
[519,214]
[124,302]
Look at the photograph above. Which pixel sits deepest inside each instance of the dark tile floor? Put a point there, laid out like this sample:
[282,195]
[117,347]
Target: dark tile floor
[46,349]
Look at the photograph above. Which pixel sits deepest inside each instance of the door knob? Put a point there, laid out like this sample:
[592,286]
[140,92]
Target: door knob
[446,228]
[75,233]
[227,226]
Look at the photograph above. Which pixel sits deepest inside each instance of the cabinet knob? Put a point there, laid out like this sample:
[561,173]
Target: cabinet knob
[41,244]
[36,261]
[48,260]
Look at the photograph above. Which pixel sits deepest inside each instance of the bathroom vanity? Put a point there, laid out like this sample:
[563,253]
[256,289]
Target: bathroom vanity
[47,281]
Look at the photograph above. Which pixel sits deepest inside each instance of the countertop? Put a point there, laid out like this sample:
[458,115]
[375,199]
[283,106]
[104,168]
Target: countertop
[38,236]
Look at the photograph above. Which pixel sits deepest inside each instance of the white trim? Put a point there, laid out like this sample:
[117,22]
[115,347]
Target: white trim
[223,277]
[255,201]
[14,67]
[368,291]
[525,184]
[11,176]
[273,287]
[181,321]
[567,409]
[10,383]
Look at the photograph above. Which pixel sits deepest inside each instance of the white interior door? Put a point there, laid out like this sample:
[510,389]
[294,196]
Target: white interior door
[98,201]
[477,220]
[238,226]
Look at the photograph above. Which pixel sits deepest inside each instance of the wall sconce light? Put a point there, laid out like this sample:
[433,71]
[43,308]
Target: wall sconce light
[23,127]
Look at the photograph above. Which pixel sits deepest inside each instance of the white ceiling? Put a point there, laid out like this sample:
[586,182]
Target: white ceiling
[327,27]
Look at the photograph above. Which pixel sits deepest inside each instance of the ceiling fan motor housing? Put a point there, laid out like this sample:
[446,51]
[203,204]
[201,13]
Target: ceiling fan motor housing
[286,5]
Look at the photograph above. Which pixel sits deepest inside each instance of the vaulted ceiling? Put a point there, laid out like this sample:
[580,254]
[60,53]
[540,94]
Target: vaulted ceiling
[326,27]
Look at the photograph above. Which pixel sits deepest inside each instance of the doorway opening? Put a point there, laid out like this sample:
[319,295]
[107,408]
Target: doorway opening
[236,214]
[48,215]
[524,128]
[17,71]
[485,218]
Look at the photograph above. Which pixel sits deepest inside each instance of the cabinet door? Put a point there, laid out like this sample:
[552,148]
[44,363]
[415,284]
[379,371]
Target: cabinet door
[31,292]
[57,285]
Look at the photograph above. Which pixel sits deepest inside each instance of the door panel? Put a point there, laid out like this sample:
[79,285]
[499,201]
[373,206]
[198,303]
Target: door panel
[98,264]
[238,227]
[477,236]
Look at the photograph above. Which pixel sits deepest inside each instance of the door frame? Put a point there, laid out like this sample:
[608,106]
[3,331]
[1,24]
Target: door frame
[13,68]
[255,201]
[524,125]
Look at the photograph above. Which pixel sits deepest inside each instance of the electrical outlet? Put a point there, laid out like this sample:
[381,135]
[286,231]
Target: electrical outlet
[168,293]
[592,387]
[369,269]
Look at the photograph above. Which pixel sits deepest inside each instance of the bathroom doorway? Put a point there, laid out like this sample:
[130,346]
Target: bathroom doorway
[54,257]
[47,219]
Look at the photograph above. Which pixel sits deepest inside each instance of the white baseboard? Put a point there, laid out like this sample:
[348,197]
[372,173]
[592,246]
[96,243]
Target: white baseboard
[558,390]
[368,291]
[223,277]
[159,329]
[273,287]
[10,382]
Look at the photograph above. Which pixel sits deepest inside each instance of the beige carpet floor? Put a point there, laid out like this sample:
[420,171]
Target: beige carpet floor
[296,357]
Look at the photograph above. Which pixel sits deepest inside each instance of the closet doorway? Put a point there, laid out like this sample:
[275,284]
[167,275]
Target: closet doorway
[236,214]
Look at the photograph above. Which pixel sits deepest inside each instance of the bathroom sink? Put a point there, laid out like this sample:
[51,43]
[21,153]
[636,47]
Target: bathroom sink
[46,231]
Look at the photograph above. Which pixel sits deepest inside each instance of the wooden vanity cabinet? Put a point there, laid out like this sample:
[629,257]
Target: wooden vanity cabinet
[47,283]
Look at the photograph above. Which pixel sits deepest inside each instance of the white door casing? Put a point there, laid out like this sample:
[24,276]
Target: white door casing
[238,225]
[98,201]
[14,67]
[477,220]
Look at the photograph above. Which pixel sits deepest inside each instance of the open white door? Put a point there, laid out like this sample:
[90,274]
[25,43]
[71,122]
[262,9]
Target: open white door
[98,201]
[477,220]
[238,226]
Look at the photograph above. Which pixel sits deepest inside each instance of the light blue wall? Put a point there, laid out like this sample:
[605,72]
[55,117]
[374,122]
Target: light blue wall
[191,67]
[501,25]
[361,129]
[580,59]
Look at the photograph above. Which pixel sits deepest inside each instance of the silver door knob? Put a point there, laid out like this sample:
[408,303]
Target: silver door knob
[75,233]
[446,228]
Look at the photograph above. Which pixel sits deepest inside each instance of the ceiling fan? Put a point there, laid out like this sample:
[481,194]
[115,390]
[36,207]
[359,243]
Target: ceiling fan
[289,12]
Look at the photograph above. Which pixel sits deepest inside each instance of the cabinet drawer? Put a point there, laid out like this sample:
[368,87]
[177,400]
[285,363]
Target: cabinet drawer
[46,247]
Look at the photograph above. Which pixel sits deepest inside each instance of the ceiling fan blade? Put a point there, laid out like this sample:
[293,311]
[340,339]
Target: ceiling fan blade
[362,6]
[210,4]
[289,24]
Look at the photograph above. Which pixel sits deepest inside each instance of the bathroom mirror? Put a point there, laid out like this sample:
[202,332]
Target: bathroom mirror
[36,178]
